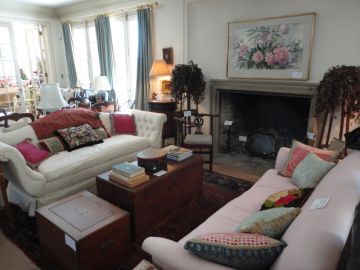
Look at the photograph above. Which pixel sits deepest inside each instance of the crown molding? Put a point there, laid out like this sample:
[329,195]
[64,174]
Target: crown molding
[26,11]
[90,8]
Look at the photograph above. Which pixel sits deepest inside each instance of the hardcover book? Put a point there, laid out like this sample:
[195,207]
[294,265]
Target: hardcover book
[128,169]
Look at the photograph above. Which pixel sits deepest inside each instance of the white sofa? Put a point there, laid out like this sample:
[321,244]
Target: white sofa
[68,172]
[315,239]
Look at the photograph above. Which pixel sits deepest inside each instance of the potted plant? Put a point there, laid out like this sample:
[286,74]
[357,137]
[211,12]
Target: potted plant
[340,86]
[187,84]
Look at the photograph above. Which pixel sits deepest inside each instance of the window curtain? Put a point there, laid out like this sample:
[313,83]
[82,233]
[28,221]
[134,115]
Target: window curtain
[105,47]
[69,54]
[144,60]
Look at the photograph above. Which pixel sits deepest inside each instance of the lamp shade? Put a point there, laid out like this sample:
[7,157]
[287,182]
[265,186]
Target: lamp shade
[159,68]
[101,83]
[51,98]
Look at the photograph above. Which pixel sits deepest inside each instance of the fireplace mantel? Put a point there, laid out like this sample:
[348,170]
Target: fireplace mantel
[266,87]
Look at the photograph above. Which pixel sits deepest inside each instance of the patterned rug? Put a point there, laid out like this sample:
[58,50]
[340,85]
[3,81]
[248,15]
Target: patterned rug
[217,191]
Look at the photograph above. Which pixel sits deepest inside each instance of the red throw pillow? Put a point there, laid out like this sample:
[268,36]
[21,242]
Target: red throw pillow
[299,151]
[123,124]
[33,155]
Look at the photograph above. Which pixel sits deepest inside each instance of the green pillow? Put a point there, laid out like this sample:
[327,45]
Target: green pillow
[245,251]
[272,222]
[310,171]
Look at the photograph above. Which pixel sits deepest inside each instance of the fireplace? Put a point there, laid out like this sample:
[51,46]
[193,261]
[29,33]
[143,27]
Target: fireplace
[271,112]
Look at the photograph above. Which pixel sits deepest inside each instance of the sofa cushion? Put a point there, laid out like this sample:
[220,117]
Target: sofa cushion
[32,154]
[272,222]
[67,163]
[78,137]
[299,151]
[287,198]
[53,145]
[310,171]
[123,124]
[239,250]
[102,133]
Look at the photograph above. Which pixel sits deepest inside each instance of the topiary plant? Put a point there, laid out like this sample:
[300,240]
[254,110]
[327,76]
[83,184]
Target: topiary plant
[187,83]
[340,86]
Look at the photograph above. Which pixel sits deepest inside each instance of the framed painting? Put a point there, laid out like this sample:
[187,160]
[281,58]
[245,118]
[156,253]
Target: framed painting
[271,48]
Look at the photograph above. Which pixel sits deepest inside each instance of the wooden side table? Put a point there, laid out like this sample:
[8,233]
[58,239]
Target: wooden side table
[168,108]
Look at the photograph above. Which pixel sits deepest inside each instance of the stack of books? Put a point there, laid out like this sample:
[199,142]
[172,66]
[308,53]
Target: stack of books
[178,153]
[128,174]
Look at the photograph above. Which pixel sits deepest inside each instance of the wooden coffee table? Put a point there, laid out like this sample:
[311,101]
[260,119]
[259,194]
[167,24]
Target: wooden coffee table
[153,202]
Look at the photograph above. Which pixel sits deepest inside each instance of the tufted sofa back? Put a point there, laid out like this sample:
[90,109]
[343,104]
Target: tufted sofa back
[148,125]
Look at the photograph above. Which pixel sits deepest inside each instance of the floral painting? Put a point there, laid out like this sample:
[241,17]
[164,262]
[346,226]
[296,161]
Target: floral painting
[275,48]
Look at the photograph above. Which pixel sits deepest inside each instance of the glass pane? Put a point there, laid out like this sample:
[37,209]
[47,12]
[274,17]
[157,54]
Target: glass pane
[120,74]
[133,52]
[80,54]
[94,54]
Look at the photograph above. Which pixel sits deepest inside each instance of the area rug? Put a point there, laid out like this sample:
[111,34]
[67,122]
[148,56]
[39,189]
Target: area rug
[218,189]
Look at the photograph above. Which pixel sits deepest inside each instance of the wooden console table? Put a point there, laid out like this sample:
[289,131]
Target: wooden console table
[168,108]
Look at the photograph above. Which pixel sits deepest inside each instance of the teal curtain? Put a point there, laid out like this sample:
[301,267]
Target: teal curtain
[105,47]
[144,60]
[69,54]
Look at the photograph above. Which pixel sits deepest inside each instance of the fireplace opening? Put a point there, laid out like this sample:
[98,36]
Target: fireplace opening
[261,124]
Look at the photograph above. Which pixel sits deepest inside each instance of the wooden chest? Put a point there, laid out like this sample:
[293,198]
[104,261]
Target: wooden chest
[154,201]
[83,232]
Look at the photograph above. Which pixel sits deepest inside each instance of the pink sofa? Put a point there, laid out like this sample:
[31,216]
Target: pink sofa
[315,239]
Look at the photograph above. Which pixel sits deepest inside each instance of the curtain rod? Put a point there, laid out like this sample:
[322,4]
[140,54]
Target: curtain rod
[119,12]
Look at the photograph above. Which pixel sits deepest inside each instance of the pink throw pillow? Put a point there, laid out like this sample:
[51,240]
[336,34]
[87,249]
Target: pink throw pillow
[33,155]
[299,151]
[123,124]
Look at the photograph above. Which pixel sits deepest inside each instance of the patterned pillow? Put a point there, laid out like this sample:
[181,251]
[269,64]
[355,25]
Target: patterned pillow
[287,198]
[53,145]
[310,171]
[272,222]
[299,151]
[33,155]
[238,250]
[77,137]
[102,133]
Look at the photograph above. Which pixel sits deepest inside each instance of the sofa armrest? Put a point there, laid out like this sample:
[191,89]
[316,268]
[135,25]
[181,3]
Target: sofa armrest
[281,158]
[171,255]
[150,125]
[18,173]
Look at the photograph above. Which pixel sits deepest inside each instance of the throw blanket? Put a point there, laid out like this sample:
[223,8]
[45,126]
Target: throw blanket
[44,127]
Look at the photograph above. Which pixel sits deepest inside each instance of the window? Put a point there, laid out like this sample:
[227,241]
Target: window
[125,42]
[124,31]
[23,64]
[86,54]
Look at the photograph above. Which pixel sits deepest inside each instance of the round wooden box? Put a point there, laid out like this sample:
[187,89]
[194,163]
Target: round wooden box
[153,160]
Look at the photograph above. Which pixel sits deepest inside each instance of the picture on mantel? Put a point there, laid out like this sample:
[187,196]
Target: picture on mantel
[271,48]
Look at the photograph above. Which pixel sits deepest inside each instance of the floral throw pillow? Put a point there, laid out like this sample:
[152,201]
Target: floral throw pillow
[287,198]
[299,151]
[238,250]
[77,137]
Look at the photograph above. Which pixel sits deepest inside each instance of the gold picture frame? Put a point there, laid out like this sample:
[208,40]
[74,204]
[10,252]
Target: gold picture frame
[271,48]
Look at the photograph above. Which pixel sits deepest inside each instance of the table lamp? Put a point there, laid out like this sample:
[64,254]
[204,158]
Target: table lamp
[159,68]
[101,87]
[51,98]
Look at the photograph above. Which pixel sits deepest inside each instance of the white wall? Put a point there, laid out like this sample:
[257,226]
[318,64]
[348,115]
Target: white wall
[336,38]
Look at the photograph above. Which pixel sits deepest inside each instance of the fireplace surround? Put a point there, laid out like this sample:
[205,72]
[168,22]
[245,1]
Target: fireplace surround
[273,89]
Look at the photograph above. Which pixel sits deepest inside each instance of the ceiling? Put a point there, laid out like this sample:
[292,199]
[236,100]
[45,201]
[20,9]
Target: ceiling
[48,3]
